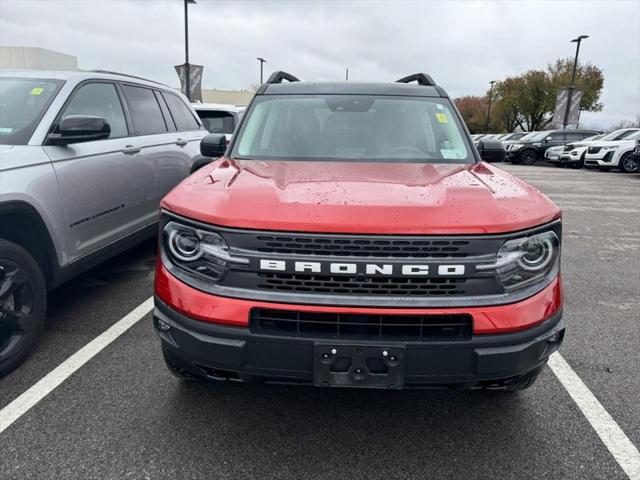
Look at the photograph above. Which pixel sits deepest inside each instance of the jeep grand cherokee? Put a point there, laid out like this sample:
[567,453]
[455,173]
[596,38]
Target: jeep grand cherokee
[351,235]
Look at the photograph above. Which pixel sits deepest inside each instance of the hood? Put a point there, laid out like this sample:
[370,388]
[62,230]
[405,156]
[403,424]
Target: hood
[360,197]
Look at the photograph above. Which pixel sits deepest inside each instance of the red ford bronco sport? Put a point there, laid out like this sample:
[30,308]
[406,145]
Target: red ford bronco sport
[350,235]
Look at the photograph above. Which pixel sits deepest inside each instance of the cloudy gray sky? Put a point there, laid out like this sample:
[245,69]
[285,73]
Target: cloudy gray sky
[463,44]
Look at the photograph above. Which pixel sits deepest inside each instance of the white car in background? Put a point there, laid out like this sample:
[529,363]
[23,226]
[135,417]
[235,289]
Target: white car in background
[606,155]
[552,154]
[574,153]
[219,117]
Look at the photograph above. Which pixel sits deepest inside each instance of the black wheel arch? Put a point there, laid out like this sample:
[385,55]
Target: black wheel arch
[21,223]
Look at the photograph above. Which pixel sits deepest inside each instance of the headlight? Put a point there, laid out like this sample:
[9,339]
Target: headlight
[197,251]
[527,260]
[516,146]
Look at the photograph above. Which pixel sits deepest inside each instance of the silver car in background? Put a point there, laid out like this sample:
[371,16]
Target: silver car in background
[85,158]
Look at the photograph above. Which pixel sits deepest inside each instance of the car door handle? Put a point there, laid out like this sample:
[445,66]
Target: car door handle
[130,149]
[180,142]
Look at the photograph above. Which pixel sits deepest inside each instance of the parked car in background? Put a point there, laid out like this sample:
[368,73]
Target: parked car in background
[574,153]
[553,153]
[528,150]
[606,155]
[85,158]
[219,118]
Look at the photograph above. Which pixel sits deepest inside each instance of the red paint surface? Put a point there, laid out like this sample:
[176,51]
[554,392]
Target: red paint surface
[361,197]
[486,320]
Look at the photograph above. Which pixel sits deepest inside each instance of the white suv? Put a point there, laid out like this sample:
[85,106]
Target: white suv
[220,118]
[613,154]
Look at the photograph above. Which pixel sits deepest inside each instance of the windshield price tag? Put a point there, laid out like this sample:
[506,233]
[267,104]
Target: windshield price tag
[442,118]
[37,90]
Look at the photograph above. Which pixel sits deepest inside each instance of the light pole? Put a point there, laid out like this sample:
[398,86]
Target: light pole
[262,61]
[187,67]
[486,124]
[573,80]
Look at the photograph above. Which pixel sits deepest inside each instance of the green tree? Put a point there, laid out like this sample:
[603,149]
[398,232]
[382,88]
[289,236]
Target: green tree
[589,79]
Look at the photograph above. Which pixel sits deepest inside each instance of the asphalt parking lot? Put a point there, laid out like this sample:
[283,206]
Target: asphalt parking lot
[122,415]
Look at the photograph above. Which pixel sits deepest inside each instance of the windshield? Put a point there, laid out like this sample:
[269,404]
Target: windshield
[530,135]
[352,128]
[618,135]
[634,135]
[591,139]
[23,101]
[536,136]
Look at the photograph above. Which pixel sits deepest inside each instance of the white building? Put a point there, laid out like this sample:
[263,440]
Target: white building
[35,58]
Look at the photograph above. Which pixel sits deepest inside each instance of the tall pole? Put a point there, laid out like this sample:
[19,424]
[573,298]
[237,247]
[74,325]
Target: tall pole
[187,69]
[262,62]
[486,124]
[346,75]
[577,41]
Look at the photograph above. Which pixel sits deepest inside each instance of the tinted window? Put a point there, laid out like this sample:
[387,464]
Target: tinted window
[100,100]
[217,122]
[555,137]
[145,110]
[181,113]
[165,111]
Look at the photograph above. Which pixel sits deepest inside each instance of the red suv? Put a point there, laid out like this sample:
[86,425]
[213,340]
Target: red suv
[351,235]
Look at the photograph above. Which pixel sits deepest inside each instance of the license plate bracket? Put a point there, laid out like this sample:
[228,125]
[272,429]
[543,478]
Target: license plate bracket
[358,366]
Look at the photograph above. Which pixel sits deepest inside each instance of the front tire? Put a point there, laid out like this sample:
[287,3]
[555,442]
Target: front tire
[628,164]
[528,157]
[23,304]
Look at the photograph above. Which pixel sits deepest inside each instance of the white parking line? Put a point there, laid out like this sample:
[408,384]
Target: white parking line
[625,452]
[53,379]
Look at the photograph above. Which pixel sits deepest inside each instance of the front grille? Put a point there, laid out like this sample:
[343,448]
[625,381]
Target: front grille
[594,149]
[361,326]
[361,247]
[345,285]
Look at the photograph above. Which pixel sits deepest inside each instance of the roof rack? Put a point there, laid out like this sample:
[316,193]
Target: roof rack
[127,75]
[277,77]
[421,78]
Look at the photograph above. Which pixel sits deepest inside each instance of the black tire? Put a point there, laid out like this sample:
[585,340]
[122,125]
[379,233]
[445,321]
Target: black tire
[559,165]
[180,372]
[528,157]
[628,164]
[23,304]
[604,169]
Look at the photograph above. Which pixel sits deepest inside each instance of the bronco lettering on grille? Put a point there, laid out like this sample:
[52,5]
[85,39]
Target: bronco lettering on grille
[362,269]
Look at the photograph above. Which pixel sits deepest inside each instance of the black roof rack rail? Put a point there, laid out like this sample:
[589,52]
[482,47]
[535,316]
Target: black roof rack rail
[127,75]
[277,77]
[421,78]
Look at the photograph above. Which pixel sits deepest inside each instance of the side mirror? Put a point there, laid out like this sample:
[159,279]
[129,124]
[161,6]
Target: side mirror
[213,145]
[80,128]
[491,150]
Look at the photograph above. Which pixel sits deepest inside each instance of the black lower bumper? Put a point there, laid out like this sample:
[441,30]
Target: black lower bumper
[231,353]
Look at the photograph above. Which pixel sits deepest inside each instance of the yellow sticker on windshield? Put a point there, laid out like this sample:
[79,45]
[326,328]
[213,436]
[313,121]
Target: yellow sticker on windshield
[37,91]
[442,118]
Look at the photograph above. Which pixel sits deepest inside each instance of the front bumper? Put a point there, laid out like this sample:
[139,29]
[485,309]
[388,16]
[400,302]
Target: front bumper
[222,352]
[600,159]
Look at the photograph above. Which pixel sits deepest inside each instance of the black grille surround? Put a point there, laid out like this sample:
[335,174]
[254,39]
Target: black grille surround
[342,285]
[364,247]
[452,327]
[362,288]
